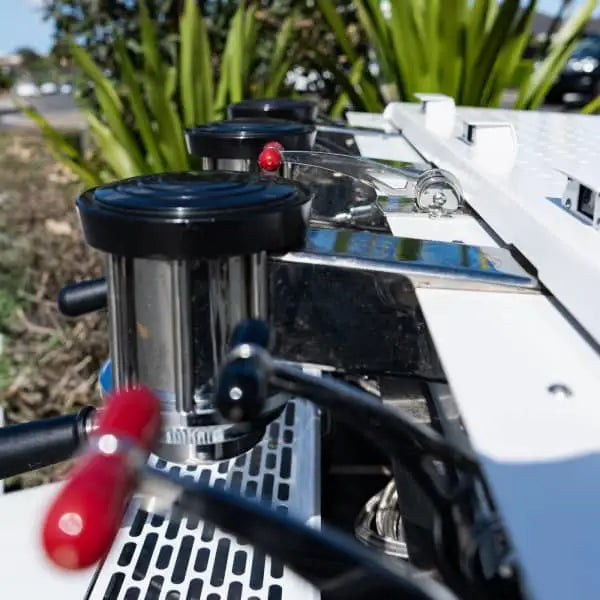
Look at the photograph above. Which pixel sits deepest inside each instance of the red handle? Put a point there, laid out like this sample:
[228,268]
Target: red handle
[270,159]
[85,517]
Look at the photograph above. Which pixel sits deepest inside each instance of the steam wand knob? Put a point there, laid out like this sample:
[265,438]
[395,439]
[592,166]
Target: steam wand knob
[242,388]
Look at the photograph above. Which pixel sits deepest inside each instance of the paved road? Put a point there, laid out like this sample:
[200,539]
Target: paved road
[59,109]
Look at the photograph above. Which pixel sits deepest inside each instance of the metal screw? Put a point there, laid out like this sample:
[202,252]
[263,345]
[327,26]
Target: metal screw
[560,390]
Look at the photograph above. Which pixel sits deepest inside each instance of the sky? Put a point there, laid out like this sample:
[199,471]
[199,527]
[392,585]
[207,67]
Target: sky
[21,24]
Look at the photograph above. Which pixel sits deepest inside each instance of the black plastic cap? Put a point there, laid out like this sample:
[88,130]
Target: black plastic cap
[302,111]
[195,215]
[245,138]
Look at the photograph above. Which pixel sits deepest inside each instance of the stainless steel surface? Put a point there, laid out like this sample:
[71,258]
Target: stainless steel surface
[154,311]
[364,131]
[386,179]
[438,193]
[281,471]
[424,263]
[122,346]
[182,342]
[237,288]
[171,323]
[226,164]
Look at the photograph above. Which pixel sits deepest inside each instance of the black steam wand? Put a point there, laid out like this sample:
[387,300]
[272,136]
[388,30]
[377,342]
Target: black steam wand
[248,376]
[329,560]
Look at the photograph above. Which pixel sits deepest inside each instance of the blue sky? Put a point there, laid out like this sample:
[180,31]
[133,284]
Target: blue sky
[21,24]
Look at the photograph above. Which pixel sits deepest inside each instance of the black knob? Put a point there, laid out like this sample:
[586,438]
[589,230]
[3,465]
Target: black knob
[82,297]
[302,111]
[243,384]
[245,138]
[195,215]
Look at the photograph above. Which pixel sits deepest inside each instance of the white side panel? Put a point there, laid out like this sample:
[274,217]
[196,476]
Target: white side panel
[540,450]
[523,206]
[24,571]
[381,148]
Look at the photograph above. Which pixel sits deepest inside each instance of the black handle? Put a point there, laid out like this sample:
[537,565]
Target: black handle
[242,388]
[37,444]
[82,297]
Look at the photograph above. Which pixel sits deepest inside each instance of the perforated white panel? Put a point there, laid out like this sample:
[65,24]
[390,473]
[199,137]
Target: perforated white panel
[156,558]
[522,204]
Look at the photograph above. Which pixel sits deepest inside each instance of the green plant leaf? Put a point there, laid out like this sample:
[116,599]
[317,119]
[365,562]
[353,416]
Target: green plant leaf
[62,150]
[150,49]
[539,83]
[138,107]
[118,158]
[188,26]
[509,57]
[354,78]
[235,47]
[490,48]
[110,104]
[328,9]
[592,107]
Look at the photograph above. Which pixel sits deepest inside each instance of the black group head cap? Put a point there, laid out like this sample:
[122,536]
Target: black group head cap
[195,215]
[245,138]
[302,111]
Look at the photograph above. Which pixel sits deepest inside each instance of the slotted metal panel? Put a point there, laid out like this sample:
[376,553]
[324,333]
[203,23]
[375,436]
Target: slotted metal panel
[156,558]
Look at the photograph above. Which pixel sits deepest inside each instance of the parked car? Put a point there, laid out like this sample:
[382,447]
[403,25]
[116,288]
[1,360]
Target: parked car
[579,81]
[26,89]
[48,88]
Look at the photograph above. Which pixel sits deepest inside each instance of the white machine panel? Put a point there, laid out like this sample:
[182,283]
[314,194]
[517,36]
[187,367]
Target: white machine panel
[522,203]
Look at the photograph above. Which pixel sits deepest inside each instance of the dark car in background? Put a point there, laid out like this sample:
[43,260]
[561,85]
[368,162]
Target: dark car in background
[579,81]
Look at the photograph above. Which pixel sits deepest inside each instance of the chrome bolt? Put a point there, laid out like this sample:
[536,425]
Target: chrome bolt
[560,390]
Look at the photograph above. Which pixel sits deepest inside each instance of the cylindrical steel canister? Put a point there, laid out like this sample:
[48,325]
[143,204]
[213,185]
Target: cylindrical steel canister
[186,261]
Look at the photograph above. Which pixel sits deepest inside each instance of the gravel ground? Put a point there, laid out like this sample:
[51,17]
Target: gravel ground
[48,364]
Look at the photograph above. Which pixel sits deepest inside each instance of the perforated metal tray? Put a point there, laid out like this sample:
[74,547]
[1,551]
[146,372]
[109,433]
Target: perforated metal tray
[156,558]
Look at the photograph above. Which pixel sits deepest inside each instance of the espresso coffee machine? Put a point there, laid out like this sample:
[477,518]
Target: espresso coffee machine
[304,250]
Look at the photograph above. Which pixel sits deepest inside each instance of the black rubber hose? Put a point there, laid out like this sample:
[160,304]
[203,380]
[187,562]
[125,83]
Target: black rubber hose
[28,446]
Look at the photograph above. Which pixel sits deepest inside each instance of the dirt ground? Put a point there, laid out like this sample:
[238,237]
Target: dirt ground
[48,363]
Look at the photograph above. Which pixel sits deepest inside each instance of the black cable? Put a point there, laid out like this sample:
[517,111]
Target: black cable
[329,560]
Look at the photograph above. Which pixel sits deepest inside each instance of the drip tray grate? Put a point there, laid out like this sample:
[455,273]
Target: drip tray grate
[157,558]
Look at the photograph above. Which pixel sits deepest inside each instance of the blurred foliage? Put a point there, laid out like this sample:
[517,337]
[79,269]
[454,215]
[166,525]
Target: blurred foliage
[137,119]
[472,51]
[592,108]
[7,79]
[36,67]
[94,24]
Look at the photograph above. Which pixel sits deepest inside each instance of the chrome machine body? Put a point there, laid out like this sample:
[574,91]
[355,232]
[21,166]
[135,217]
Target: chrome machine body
[407,254]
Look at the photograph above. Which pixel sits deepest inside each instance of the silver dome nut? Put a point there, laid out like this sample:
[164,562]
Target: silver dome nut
[438,192]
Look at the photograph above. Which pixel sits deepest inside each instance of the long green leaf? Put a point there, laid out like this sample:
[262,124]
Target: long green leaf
[118,158]
[282,46]
[204,76]
[62,150]
[328,9]
[539,83]
[188,27]
[354,78]
[592,107]
[373,22]
[110,104]
[150,48]
[509,57]
[492,46]
[475,27]
[235,44]
[449,59]
[138,107]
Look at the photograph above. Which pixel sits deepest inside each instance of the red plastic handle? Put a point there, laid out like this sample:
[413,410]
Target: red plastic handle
[84,519]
